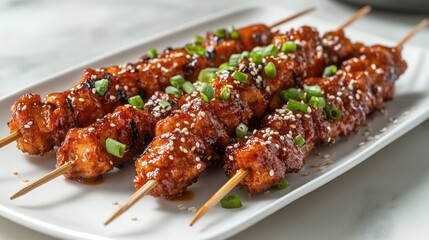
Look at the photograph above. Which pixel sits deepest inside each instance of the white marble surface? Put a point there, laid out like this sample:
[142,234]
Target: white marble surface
[372,201]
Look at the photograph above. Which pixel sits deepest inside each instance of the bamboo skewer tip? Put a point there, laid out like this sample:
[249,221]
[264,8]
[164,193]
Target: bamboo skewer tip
[221,193]
[417,28]
[132,200]
[42,180]
[360,13]
[296,15]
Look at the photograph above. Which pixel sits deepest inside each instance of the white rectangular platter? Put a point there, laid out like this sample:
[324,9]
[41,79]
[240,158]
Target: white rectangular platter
[67,209]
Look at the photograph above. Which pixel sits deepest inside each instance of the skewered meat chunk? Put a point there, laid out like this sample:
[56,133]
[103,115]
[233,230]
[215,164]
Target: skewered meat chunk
[43,124]
[357,90]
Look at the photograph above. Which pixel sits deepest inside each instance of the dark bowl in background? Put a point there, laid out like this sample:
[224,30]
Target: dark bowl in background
[409,6]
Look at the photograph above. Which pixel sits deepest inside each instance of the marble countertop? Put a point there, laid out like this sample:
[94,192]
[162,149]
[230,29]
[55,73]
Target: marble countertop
[371,201]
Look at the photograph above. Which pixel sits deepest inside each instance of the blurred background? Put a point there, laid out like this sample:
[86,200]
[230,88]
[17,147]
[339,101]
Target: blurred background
[41,37]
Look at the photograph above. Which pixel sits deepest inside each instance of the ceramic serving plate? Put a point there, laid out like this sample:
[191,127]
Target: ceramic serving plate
[67,209]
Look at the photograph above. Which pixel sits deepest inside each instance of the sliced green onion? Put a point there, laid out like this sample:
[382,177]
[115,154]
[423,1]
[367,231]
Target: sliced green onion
[198,39]
[173,90]
[270,70]
[330,71]
[294,105]
[164,104]
[207,75]
[177,81]
[223,65]
[282,184]
[270,50]
[207,92]
[241,130]
[239,76]
[311,91]
[234,60]
[317,102]
[234,34]
[256,57]
[115,148]
[291,93]
[225,93]
[245,55]
[333,113]
[101,86]
[231,201]
[221,33]
[188,87]
[258,50]
[192,49]
[299,140]
[136,102]
[288,47]
[152,53]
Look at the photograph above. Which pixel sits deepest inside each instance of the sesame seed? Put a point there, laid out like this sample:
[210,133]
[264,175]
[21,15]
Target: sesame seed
[230,158]
[112,97]
[25,180]
[271,172]
[113,125]
[182,139]
[197,159]
[81,100]
[361,144]
[170,157]
[192,209]
[199,166]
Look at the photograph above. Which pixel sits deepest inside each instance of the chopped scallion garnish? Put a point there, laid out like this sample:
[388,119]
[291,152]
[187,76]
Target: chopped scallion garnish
[221,33]
[207,92]
[270,70]
[188,87]
[136,102]
[240,76]
[256,57]
[234,34]
[282,184]
[330,71]
[173,90]
[291,93]
[177,81]
[311,91]
[223,65]
[198,39]
[207,75]
[333,113]
[234,60]
[241,130]
[299,140]
[288,47]
[192,49]
[101,86]
[317,102]
[294,105]
[152,53]
[231,201]
[258,50]
[270,50]
[245,55]
[225,93]
[164,104]
[115,148]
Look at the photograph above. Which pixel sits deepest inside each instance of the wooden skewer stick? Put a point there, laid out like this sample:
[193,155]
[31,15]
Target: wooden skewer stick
[44,179]
[225,189]
[362,12]
[422,24]
[152,183]
[10,138]
[242,173]
[296,15]
[132,200]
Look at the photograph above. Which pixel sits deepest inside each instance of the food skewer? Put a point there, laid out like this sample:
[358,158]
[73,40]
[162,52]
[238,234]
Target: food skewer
[38,133]
[64,154]
[241,173]
[165,143]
